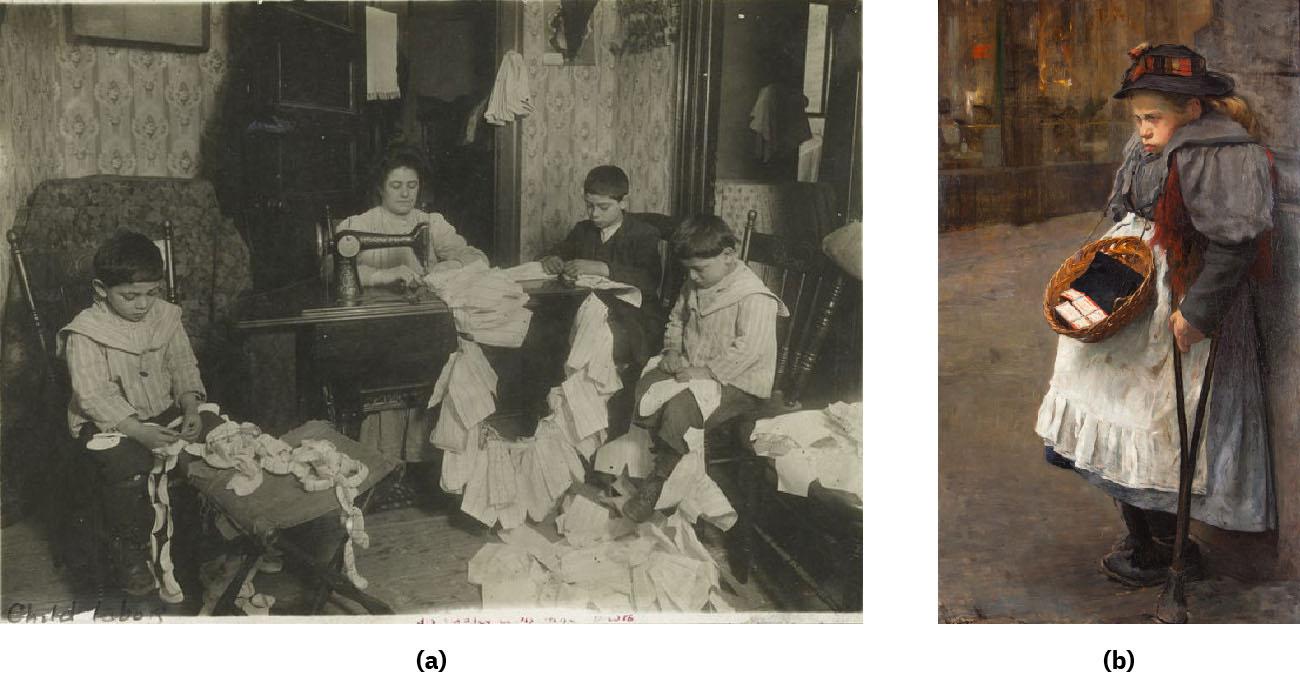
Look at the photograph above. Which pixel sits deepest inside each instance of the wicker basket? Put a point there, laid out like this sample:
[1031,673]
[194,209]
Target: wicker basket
[1131,251]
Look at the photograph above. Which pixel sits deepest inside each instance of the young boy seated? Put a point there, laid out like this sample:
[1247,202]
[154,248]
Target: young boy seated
[133,372]
[721,329]
[625,248]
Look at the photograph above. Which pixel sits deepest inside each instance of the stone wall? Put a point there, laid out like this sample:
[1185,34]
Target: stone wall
[1258,43]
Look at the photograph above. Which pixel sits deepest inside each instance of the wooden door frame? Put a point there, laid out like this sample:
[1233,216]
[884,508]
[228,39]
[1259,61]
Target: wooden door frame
[698,88]
[507,152]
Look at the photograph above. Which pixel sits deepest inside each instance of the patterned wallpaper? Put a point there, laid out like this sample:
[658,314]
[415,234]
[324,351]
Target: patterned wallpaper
[643,126]
[30,145]
[618,111]
[74,110]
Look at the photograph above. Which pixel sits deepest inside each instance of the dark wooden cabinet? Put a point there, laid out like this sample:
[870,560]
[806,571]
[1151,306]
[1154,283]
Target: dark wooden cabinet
[298,80]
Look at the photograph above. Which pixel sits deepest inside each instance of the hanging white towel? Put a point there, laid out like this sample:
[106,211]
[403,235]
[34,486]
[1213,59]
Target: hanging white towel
[381,55]
[510,96]
[761,121]
[810,160]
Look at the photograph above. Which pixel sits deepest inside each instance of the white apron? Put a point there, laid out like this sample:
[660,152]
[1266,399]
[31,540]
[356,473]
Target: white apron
[1111,404]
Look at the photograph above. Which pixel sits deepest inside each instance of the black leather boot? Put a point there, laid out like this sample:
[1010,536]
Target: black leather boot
[641,506]
[1141,559]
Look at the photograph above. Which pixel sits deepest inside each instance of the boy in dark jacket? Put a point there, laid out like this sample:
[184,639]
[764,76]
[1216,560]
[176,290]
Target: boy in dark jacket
[623,247]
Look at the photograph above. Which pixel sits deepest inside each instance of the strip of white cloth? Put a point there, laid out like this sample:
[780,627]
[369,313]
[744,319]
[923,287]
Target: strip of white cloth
[381,55]
[1111,406]
[511,97]
[317,464]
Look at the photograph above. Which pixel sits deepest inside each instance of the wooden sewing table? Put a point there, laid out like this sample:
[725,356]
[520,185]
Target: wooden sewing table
[391,346]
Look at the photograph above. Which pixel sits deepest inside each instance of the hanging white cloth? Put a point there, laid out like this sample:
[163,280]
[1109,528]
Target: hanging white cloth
[510,96]
[381,55]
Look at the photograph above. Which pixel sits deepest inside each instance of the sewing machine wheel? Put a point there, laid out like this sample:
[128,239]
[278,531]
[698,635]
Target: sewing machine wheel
[348,246]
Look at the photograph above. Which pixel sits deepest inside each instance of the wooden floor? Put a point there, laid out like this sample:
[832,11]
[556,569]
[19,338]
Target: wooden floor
[417,563]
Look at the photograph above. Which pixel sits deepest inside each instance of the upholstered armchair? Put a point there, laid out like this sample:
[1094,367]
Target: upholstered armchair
[68,219]
[212,267]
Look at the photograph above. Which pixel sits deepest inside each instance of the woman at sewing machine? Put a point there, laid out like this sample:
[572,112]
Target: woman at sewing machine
[397,180]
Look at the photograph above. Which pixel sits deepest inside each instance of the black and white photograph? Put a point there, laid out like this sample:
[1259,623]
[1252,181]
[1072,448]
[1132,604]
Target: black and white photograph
[432,312]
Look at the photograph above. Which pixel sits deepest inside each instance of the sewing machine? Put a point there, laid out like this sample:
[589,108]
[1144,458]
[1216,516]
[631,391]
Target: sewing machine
[346,245]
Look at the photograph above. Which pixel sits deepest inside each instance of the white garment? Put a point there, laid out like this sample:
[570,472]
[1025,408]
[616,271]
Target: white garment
[708,393]
[529,271]
[1110,407]
[760,121]
[624,292]
[381,55]
[627,452]
[466,388]
[695,495]
[609,566]
[814,445]
[510,96]
[486,303]
[591,378]
[688,487]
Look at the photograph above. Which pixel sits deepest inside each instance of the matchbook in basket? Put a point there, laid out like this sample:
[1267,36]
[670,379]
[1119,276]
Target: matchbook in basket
[1094,295]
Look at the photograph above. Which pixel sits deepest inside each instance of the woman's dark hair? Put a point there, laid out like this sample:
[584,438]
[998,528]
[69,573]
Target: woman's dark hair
[399,157]
[702,235]
[128,258]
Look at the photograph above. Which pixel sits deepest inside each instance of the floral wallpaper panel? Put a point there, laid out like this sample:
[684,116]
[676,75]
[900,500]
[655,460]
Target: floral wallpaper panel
[644,111]
[75,110]
[30,142]
[618,111]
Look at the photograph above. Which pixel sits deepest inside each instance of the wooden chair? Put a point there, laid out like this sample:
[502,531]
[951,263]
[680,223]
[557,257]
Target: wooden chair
[55,288]
[810,287]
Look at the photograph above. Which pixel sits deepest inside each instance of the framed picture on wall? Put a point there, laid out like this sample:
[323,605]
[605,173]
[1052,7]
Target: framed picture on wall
[176,27]
[570,33]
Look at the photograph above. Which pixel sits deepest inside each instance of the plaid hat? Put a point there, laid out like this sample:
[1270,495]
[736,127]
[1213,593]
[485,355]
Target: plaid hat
[1174,69]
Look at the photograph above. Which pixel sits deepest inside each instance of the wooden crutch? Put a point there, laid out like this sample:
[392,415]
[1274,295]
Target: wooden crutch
[1171,607]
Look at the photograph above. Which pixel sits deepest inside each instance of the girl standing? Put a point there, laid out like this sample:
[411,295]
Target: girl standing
[1196,185]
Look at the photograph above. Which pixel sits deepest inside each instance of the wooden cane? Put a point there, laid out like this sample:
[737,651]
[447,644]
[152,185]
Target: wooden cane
[1171,607]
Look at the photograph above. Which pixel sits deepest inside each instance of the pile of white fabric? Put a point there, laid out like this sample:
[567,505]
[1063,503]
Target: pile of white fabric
[505,481]
[601,562]
[486,303]
[814,445]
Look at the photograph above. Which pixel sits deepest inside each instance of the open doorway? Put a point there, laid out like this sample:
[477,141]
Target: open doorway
[448,55]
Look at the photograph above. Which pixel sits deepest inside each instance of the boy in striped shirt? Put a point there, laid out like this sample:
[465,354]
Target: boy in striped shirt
[132,371]
[722,330]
